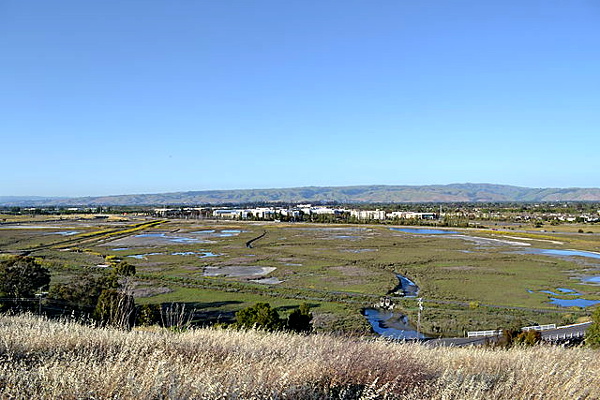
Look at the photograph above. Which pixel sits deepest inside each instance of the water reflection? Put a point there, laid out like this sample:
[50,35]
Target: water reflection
[391,325]
[407,287]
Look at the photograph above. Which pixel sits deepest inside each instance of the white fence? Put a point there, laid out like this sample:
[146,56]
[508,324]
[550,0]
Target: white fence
[572,333]
[539,327]
[564,336]
[484,333]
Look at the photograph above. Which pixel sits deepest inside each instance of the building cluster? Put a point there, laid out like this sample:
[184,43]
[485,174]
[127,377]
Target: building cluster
[291,213]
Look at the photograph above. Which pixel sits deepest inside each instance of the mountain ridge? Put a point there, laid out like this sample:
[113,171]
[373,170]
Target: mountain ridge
[457,192]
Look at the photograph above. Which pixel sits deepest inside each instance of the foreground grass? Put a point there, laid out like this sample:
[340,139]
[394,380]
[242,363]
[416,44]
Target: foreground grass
[46,359]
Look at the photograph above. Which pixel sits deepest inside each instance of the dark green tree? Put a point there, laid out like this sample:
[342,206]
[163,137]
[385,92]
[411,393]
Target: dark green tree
[148,314]
[83,293]
[260,316]
[22,277]
[300,319]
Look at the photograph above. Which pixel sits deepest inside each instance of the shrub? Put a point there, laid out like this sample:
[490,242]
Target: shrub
[300,319]
[22,277]
[261,315]
[115,309]
[592,335]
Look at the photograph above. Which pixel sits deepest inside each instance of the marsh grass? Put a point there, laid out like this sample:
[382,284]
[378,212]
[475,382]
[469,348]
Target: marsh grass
[318,265]
[46,359]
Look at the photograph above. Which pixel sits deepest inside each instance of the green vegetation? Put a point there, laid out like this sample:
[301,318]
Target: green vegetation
[484,279]
[592,336]
[22,277]
[262,316]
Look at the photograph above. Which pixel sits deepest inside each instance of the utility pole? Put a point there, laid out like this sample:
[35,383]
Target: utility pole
[40,295]
[419,317]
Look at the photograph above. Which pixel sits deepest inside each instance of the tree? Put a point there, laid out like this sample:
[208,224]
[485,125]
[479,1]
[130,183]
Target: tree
[83,292]
[261,316]
[115,309]
[592,335]
[299,319]
[22,277]
[123,268]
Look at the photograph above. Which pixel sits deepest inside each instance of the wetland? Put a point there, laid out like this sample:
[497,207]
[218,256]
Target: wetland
[469,279]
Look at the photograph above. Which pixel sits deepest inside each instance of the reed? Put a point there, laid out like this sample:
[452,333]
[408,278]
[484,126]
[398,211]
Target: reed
[45,359]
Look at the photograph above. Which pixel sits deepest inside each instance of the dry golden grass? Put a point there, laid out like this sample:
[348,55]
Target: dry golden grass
[47,359]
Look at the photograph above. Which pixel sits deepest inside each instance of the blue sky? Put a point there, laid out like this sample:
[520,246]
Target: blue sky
[143,96]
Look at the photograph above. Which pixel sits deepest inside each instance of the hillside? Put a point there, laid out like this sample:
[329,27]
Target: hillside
[468,192]
[45,359]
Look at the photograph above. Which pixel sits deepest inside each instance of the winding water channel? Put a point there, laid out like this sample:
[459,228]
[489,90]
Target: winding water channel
[395,325]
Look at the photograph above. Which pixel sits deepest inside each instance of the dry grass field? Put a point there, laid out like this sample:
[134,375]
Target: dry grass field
[45,359]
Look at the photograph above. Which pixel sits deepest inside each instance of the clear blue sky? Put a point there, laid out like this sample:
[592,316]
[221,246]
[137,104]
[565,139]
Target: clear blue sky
[144,96]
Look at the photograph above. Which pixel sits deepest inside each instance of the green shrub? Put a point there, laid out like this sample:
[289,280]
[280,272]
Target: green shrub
[592,335]
[261,316]
[300,319]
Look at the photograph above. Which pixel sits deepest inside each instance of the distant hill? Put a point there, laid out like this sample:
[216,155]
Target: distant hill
[467,192]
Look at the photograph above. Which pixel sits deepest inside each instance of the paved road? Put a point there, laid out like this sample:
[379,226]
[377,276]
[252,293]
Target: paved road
[566,332]
[551,335]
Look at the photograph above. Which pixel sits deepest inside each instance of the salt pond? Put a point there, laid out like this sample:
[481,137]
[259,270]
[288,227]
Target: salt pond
[267,281]
[238,271]
[200,253]
[574,299]
[592,279]
[573,302]
[424,231]
[64,233]
[143,256]
[214,233]
[174,239]
[564,253]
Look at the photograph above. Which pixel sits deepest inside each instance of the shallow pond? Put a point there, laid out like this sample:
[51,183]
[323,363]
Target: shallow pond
[200,253]
[564,253]
[567,292]
[592,279]
[230,232]
[573,302]
[207,254]
[424,231]
[143,256]
[214,233]
[163,237]
[237,271]
[267,281]
[64,233]
[184,253]
[174,239]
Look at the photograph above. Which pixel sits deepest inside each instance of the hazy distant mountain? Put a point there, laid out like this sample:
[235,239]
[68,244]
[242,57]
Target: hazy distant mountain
[24,200]
[468,192]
